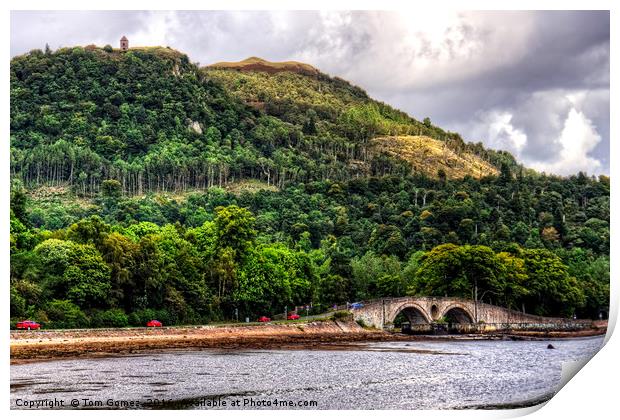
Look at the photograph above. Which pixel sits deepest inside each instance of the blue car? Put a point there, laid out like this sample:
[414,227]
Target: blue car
[357,305]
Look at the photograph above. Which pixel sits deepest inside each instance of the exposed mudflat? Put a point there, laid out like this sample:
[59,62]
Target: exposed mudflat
[49,344]
[333,335]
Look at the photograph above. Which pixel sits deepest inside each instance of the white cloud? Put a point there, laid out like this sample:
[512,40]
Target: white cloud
[577,140]
[548,131]
[496,130]
[502,135]
[156,32]
[417,50]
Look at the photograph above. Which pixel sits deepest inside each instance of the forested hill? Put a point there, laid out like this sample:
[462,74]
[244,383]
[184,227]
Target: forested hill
[146,186]
[331,108]
[154,121]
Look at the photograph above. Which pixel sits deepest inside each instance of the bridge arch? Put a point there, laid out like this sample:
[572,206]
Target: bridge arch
[414,313]
[460,313]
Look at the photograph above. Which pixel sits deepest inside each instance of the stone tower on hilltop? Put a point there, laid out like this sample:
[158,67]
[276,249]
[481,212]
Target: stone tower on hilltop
[124,43]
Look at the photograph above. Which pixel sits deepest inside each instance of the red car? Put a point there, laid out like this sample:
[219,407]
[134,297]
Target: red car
[154,323]
[264,319]
[292,316]
[28,325]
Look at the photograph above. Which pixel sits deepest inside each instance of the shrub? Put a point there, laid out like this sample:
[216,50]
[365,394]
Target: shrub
[111,318]
[65,314]
[18,304]
[166,317]
[341,316]
[38,315]
[140,317]
[361,323]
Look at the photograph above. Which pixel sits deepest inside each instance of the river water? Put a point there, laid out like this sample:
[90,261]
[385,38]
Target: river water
[394,375]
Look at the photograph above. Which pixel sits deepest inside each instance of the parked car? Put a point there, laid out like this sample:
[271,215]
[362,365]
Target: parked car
[154,323]
[264,319]
[357,305]
[28,325]
[292,316]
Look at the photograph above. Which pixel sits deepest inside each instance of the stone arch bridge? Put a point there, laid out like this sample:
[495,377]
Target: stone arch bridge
[381,313]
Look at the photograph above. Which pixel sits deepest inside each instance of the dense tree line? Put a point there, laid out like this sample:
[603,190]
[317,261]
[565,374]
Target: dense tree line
[534,243]
[95,274]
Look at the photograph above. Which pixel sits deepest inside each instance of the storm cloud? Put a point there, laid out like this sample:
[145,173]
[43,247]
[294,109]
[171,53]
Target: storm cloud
[533,83]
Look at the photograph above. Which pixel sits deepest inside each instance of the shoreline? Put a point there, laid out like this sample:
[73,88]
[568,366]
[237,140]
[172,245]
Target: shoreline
[36,346]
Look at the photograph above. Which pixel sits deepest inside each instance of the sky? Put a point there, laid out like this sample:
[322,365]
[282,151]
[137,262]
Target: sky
[534,83]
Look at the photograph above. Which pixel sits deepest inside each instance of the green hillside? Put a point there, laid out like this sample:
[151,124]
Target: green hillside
[152,120]
[332,108]
[144,186]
